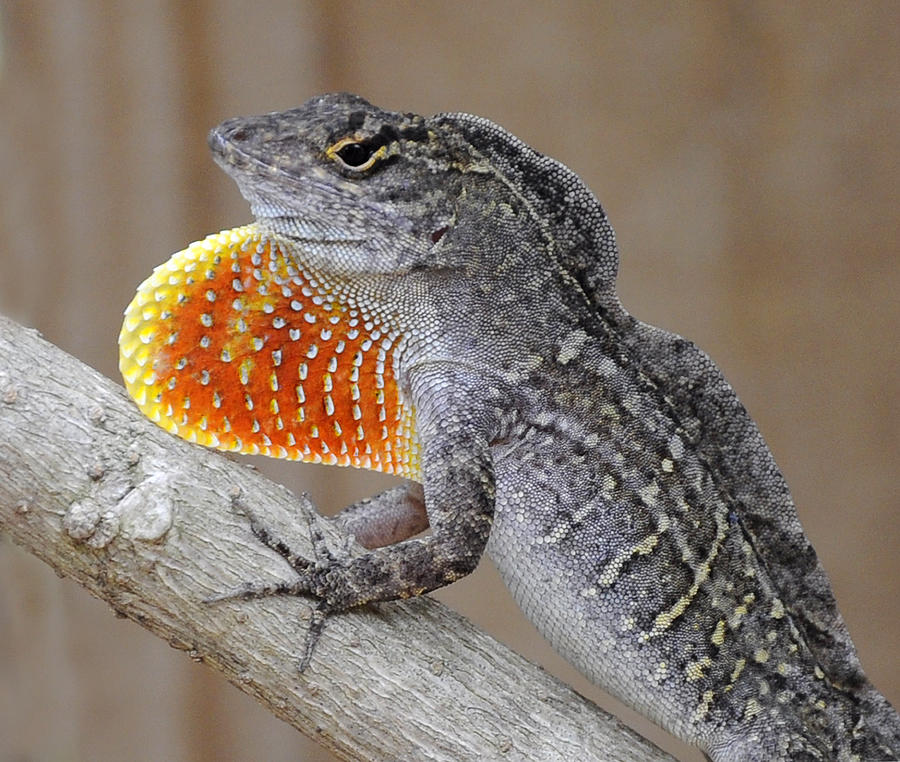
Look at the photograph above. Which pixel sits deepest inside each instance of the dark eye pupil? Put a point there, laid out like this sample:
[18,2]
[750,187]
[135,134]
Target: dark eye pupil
[355,154]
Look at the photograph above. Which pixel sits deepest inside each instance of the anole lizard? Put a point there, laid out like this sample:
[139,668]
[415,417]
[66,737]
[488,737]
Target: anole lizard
[432,298]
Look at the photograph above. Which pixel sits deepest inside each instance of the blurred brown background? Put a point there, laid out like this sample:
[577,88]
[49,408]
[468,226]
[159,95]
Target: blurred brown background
[747,154]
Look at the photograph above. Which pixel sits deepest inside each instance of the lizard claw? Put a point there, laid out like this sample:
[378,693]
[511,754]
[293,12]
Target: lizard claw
[312,575]
[325,559]
[319,616]
[298,563]
[250,590]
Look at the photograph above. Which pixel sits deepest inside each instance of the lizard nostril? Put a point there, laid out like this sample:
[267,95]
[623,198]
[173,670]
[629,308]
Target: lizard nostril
[438,234]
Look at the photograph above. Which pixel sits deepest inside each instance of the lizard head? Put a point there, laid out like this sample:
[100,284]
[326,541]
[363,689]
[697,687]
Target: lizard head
[355,189]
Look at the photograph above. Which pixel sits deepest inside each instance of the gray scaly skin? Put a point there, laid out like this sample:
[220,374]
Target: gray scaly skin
[606,466]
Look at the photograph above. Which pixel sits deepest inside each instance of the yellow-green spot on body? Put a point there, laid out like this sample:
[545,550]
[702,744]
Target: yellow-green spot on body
[609,411]
[741,611]
[752,708]
[718,636]
[650,493]
[736,673]
[694,669]
[664,620]
[614,568]
[646,545]
[703,708]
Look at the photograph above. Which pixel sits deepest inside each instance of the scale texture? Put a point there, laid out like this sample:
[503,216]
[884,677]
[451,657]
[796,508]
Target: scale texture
[431,297]
[226,345]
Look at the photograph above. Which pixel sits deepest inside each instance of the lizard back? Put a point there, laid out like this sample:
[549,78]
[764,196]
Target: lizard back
[745,500]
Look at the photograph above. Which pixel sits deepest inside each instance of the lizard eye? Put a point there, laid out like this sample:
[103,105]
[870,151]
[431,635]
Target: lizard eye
[356,154]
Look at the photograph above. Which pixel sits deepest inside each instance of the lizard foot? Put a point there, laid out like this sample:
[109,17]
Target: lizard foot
[315,578]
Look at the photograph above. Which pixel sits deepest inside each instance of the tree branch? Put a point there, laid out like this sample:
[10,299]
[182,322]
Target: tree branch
[143,521]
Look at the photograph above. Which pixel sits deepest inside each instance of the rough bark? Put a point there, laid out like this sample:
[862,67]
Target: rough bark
[144,522]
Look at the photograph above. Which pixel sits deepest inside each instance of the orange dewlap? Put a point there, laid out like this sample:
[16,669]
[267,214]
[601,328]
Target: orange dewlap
[231,344]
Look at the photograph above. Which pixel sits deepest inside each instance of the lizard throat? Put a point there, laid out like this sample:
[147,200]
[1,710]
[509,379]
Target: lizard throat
[233,345]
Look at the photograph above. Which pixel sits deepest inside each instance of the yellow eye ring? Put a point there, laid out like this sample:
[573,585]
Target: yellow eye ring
[357,154]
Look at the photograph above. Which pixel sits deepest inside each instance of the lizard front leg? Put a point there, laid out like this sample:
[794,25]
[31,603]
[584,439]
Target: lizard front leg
[459,502]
